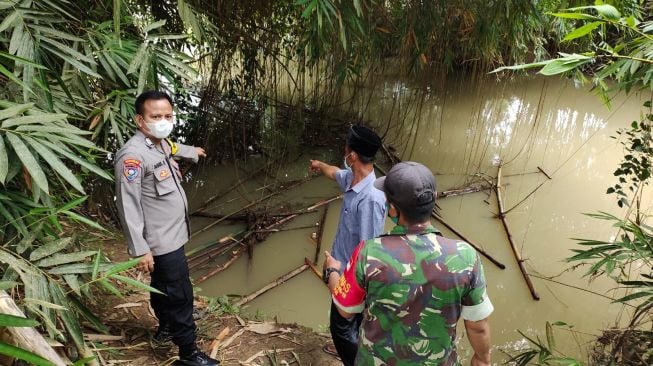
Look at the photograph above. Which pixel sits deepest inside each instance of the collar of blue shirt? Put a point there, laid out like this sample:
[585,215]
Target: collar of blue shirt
[363,183]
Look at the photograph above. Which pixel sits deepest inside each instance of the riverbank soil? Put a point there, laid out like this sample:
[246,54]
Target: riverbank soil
[234,340]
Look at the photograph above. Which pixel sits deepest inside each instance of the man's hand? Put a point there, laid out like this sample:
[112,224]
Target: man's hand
[328,170]
[200,152]
[147,263]
[476,361]
[315,166]
[329,261]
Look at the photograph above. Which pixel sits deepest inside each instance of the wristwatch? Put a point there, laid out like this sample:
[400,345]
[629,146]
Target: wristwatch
[327,273]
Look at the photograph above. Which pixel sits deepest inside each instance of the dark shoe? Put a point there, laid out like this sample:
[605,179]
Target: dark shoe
[197,358]
[162,336]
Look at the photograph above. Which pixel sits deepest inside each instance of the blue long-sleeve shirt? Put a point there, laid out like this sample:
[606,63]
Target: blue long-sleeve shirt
[362,215]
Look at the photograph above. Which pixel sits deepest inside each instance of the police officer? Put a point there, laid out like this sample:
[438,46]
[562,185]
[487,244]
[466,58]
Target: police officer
[154,214]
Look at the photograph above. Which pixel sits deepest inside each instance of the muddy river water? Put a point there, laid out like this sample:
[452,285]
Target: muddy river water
[461,135]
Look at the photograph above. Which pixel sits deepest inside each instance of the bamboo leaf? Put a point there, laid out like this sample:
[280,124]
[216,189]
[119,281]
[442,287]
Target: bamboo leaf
[50,248]
[73,282]
[155,25]
[582,31]
[21,60]
[9,20]
[84,163]
[83,220]
[68,317]
[58,259]
[77,268]
[138,58]
[21,354]
[7,320]
[29,162]
[43,118]
[69,50]
[7,285]
[88,314]
[560,66]
[142,75]
[74,63]
[4,161]
[55,163]
[580,16]
[109,287]
[56,33]
[96,264]
[121,267]
[15,110]
[44,304]
[605,10]
[10,75]
[136,284]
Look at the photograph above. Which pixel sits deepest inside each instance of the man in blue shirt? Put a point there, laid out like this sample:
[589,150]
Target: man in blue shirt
[362,217]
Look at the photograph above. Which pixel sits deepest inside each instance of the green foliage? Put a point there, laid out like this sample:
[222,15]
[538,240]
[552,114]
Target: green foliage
[543,352]
[635,170]
[221,305]
[620,48]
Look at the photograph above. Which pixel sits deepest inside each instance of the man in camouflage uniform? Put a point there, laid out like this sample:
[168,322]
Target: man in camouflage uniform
[412,285]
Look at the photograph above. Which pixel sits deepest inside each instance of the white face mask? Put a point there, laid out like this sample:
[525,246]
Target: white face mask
[160,129]
[347,166]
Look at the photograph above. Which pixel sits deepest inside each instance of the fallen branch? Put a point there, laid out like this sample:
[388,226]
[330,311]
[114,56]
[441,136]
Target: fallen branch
[462,191]
[245,299]
[502,216]
[248,234]
[254,203]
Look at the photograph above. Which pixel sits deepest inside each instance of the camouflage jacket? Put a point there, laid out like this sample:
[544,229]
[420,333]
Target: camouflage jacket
[412,285]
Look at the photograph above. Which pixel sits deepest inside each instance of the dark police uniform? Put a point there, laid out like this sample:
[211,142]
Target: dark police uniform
[154,215]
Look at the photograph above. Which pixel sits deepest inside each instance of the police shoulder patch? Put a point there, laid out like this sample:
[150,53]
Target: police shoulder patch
[131,168]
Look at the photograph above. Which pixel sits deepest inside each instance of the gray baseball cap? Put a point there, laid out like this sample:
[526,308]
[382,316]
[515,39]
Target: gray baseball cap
[409,185]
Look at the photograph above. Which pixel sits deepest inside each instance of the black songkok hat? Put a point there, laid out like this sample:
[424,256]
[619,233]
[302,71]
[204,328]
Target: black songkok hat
[364,141]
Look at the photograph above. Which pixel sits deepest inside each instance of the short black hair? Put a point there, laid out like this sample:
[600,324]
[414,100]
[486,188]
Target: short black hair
[150,95]
[416,215]
[365,159]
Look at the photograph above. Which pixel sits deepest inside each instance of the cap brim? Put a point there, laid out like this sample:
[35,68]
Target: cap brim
[379,183]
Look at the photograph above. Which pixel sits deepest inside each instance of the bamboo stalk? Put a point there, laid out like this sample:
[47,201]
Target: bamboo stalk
[462,191]
[440,220]
[518,257]
[320,233]
[313,268]
[245,299]
[543,172]
[476,247]
[219,216]
[221,268]
[26,337]
[254,203]
[192,254]
[249,233]
[228,190]
[213,254]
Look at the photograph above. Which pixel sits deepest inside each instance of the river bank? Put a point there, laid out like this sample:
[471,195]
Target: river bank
[235,337]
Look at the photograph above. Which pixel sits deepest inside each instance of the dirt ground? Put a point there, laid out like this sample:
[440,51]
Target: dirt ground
[233,339]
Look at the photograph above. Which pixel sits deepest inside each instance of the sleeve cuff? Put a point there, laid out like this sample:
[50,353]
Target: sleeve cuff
[349,309]
[478,312]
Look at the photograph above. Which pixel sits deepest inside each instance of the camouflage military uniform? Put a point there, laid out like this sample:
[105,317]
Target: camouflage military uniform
[412,286]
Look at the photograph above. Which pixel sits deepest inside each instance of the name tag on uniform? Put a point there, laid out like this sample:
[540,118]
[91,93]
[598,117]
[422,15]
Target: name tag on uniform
[159,164]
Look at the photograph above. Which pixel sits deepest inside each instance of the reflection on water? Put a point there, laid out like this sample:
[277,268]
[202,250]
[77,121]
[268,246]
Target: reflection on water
[528,124]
